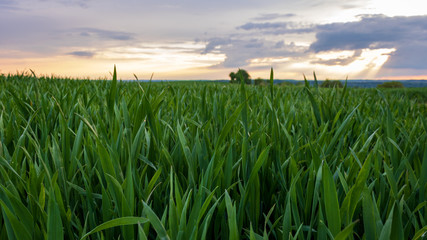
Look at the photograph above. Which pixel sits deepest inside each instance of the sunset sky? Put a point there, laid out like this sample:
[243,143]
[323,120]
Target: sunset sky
[199,39]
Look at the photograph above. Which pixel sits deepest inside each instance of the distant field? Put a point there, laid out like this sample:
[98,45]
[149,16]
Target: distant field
[128,160]
[350,83]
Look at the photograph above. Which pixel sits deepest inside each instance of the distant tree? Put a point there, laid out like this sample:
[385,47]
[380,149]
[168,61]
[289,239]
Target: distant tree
[260,81]
[232,76]
[393,84]
[236,77]
[331,84]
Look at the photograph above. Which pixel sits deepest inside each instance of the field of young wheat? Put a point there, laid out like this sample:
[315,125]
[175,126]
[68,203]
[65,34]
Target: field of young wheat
[128,160]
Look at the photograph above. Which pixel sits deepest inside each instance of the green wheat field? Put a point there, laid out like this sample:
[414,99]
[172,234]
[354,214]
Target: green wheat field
[84,159]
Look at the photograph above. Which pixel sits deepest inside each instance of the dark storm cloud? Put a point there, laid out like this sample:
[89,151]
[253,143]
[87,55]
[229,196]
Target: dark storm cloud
[408,35]
[86,54]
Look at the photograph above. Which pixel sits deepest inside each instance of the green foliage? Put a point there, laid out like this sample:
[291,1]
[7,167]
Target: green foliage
[392,84]
[239,76]
[260,81]
[131,160]
[331,84]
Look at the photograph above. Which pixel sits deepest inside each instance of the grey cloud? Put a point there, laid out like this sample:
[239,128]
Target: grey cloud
[273,16]
[79,3]
[349,6]
[266,25]
[82,4]
[371,32]
[106,34]
[407,34]
[239,51]
[6,5]
[410,56]
[277,28]
[254,43]
[279,44]
[86,54]
[350,35]
[215,42]
[43,35]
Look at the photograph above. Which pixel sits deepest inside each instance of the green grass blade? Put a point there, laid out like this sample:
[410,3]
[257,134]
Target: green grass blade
[18,227]
[368,216]
[287,221]
[54,222]
[386,230]
[346,232]
[115,223]
[232,220]
[423,178]
[330,200]
[155,222]
[226,129]
[112,92]
[271,85]
[421,234]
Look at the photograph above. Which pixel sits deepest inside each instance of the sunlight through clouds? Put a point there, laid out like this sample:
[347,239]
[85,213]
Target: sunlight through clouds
[368,63]
[196,39]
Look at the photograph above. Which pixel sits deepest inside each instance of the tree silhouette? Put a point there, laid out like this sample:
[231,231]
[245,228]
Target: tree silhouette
[232,76]
[331,84]
[239,75]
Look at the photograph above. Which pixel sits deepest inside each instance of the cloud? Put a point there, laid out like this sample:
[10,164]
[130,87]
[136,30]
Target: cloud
[68,3]
[337,46]
[266,25]
[105,34]
[410,56]
[87,54]
[80,3]
[349,6]
[277,28]
[408,35]
[7,5]
[273,16]
[240,51]
[343,61]
[214,43]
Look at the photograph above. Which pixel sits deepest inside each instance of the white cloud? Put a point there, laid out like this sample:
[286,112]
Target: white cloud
[288,35]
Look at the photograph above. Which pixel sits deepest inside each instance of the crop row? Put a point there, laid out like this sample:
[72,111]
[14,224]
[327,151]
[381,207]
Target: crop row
[129,160]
